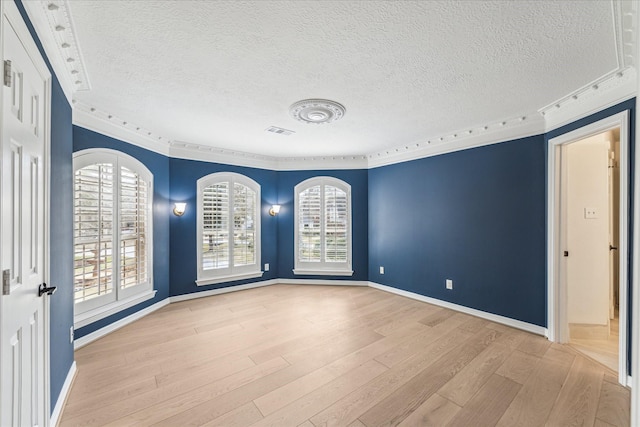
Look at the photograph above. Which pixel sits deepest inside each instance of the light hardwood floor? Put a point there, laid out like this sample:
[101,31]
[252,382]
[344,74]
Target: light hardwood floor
[604,351]
[334,356]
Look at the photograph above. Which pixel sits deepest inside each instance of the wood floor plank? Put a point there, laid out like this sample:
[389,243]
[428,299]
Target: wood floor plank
[534,402]
[333,355]
[310,404]
[519,366]
[399,404]
[288,393]
[614,404]
[600,423]
[577,402]
[488,405]
[472,378]
[157,407]
[436,411]
[438,317]
[352,406]
[80,402]
[402,352]
[243,416]
[534,345]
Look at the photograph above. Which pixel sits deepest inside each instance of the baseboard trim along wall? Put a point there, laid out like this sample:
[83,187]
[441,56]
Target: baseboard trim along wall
[535,329]
[323,282]
[203,294]
[64,394]
[81,342]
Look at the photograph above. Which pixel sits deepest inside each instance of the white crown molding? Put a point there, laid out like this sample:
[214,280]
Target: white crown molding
[189,151]
[107,124]
[186,150]
[322,163]
[54,25]
[608,90]
[505,130]
[624,15]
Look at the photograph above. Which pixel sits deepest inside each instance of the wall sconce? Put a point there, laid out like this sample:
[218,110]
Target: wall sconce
[178,209]
[274,210]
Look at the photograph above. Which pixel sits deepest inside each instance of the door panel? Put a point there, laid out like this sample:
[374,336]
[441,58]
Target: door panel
[22,311]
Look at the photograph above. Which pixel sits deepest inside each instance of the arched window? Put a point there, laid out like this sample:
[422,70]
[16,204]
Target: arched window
[228,234]
[113,198]
[323,227]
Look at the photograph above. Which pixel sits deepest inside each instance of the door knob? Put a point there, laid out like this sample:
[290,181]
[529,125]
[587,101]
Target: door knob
[43,289]
[613,248]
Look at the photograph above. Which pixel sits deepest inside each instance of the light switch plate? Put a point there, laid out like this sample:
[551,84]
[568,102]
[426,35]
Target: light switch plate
[590,213]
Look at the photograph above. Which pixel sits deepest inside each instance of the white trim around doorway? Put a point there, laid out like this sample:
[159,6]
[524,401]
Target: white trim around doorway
[556,291]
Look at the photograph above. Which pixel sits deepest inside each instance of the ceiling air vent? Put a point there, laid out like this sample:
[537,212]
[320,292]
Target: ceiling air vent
[280,131]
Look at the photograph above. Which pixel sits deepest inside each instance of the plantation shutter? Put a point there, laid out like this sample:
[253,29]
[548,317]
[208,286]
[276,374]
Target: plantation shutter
[93,231]
[310,231]
[133,228]
[244,225]
[336,223]
[215,227]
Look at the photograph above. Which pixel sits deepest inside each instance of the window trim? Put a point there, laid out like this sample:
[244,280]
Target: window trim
[322,268]
[231,273]
[121,299]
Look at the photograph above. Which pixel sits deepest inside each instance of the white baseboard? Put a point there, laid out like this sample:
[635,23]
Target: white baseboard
[62,397]
[322,282]
[81,342]
[529,327]
[202,294]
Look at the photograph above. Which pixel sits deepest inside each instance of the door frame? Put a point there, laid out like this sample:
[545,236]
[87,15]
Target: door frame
[557,326]
[10,9]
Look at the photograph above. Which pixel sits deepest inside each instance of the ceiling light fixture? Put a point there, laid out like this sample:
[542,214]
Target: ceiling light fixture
[317,111]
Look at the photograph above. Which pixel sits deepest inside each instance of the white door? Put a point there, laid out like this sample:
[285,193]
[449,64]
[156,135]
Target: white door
[22,256]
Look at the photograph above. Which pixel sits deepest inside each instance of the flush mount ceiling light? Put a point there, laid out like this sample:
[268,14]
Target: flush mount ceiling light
[317,111]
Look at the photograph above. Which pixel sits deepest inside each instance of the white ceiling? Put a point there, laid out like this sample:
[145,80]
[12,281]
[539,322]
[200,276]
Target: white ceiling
[218,73]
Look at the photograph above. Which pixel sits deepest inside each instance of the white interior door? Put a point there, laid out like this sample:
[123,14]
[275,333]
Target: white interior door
[22,258]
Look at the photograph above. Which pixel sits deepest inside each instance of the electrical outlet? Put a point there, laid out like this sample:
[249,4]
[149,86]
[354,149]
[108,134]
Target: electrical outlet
[266,267]
[590,213]
[71,334]
[381,270]
[449,284]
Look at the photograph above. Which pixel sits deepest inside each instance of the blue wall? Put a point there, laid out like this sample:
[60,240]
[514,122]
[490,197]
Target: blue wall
[476,217]
[184,177]
[61,231]
[159,167]
[358,179]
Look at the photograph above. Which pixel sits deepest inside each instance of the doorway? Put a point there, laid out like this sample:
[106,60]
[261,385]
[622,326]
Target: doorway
[589,192]
[588,243]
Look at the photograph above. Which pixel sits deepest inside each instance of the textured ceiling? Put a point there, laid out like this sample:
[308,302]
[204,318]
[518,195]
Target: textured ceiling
[218,73]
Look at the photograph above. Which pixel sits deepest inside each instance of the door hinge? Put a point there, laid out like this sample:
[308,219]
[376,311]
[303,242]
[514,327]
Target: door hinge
[7,73]
[6,282]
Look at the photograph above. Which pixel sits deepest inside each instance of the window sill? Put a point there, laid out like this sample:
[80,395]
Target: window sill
[307,272]
[228,278]
[88,317]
